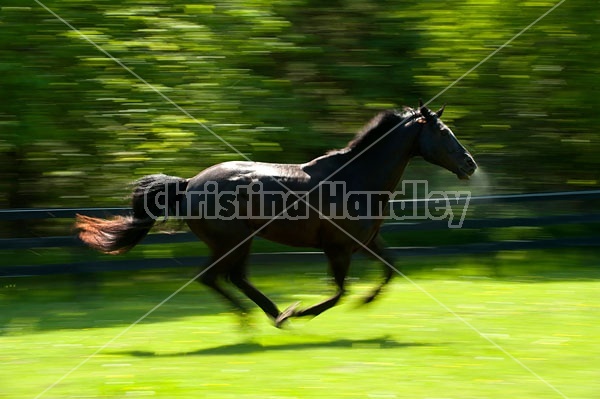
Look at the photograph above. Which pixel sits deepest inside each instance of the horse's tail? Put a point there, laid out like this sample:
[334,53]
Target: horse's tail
[154,196]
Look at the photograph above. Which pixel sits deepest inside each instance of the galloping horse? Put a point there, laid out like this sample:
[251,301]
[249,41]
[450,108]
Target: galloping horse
[220,204]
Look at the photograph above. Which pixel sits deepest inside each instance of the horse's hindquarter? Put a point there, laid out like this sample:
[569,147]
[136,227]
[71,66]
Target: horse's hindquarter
[238,198]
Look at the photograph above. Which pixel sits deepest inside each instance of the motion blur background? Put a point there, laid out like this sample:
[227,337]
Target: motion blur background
[285,81]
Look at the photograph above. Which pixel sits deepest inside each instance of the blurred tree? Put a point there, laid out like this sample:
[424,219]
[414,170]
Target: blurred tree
[284,81]
[527,110]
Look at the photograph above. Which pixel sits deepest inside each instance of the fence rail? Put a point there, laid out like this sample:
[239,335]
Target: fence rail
[65,213]
[282,257]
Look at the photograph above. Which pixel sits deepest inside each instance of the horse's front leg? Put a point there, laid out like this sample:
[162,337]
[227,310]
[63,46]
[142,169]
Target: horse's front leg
[339,262]
[376,249]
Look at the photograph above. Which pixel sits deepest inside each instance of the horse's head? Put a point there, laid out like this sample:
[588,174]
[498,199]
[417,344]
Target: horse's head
[438,145]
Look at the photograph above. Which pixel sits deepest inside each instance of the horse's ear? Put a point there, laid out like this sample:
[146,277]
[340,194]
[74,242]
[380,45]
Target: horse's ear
[420,103]
[440,111]
[426,113]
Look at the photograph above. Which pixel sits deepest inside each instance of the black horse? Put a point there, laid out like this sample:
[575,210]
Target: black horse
[229,203]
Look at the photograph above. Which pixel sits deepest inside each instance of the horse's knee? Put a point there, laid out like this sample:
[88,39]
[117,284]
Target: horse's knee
[207,278]
[236,278]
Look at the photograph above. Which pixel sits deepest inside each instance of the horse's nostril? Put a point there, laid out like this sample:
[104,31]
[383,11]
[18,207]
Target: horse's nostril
[470,162]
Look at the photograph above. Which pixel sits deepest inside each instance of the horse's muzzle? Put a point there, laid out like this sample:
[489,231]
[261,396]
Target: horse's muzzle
[467,168]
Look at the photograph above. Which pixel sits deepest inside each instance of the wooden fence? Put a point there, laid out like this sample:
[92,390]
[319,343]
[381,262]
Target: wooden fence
[112,264]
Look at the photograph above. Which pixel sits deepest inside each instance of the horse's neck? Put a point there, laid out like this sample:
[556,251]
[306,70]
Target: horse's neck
[386,168]
[378,168]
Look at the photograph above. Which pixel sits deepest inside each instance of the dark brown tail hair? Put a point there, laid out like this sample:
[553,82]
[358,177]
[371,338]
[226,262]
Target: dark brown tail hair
[154,196]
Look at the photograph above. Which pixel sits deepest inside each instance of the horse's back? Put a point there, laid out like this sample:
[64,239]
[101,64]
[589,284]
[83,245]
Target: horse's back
[272,176]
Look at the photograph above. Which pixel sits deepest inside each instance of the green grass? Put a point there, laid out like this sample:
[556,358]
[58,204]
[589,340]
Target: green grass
[540,307]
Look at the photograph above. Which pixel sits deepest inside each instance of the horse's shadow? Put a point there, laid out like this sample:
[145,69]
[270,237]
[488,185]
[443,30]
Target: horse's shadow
[253,347]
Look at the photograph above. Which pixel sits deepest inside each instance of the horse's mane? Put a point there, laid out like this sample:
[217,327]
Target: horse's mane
[380,125]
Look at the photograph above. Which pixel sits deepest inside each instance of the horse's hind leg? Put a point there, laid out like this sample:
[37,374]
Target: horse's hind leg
[232,265]
[239,279]
[378,251]
[210,278]
[339,261]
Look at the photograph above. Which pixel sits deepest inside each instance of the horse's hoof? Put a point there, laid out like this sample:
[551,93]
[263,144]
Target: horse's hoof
[368,300]
[286,314]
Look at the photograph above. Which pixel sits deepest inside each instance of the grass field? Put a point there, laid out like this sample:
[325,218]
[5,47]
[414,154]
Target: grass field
[512,325]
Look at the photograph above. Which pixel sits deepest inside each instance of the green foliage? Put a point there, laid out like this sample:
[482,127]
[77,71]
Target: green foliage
[283,81]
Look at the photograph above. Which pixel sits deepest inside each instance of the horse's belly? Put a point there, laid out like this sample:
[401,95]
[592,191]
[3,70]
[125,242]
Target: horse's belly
[296,233]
